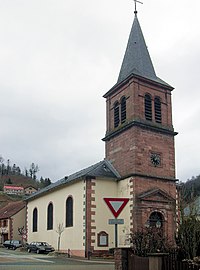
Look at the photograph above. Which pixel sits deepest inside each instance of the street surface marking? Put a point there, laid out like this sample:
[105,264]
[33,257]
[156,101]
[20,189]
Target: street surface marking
[11,257]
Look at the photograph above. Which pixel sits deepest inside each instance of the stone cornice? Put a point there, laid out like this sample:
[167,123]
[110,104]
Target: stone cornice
[157,177]
[144,125]
[126,81]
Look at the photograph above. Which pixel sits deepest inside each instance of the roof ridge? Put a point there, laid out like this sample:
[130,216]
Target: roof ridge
[95,170]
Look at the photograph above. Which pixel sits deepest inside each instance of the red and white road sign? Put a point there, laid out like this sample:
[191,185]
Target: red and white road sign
[116,205]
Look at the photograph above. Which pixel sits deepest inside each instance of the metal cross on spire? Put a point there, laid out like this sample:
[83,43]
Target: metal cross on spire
[136,1]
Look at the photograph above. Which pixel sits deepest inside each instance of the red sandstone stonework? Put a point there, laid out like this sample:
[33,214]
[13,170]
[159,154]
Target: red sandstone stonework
[130,152]
[130,145]
[90,213]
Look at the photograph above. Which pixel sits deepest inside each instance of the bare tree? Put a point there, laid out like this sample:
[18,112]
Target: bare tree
[1,159]
[60,230]
[149,240]
[33,170]
[8,168]
[22,233]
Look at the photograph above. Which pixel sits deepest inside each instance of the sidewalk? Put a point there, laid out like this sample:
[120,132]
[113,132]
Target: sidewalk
[81,259]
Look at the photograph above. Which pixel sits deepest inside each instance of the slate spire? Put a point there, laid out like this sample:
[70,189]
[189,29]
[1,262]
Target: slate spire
[137,60]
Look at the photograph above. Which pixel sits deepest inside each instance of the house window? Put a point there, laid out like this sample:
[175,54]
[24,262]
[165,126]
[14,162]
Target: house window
[116,114]
[123,110]
[102,239]
[148,107]
[35,219]
[157,108]
[69,212]
[5,223]
[50,217]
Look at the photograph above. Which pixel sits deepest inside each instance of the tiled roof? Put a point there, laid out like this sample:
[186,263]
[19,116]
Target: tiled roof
[101,169]
[137,60]
[14,187]
[11,209]
[4,199]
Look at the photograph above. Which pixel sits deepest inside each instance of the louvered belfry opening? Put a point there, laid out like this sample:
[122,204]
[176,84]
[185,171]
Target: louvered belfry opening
[158,115]
[148,107]
[123,110]
[116,114]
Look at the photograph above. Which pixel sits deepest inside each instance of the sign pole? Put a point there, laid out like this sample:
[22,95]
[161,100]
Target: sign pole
[116,205]
[116,236]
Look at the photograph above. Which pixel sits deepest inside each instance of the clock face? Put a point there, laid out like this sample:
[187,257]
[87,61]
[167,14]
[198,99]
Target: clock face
[155,159]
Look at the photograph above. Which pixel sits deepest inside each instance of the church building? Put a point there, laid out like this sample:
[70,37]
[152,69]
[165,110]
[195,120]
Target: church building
[139,167]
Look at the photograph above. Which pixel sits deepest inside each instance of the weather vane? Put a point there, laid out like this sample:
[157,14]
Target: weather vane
[136,1]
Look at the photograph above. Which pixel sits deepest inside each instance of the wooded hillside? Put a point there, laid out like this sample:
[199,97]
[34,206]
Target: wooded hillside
[190,189]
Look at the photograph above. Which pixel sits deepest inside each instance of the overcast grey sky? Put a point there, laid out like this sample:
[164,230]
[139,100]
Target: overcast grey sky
[57,59]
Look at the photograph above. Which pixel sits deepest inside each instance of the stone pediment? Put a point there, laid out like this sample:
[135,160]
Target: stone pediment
[156,195]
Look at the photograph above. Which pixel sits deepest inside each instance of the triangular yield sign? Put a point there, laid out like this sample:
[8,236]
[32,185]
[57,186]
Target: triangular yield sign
[116,205]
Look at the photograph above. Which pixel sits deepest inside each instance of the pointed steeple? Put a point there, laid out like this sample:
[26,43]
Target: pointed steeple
[137,60]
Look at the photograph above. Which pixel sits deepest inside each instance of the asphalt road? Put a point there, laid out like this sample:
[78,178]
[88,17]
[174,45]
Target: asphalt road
[18,260]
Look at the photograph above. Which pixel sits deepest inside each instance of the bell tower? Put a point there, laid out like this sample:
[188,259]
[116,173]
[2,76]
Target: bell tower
[139,138]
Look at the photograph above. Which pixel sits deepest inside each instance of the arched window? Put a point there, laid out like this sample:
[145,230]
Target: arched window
[156,220]
[69,212]
[50,217]
[148,107]
[116,114]
[35,219]
[157,108]
[123,110]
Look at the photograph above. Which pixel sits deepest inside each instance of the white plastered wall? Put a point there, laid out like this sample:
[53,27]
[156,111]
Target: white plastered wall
[18,222]
[109,188]
[124,230]
[72,237]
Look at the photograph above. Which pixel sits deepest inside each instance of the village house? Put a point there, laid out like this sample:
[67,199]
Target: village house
[29,190]
[19,190]
[12,217]
[139,167]
[13,190]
